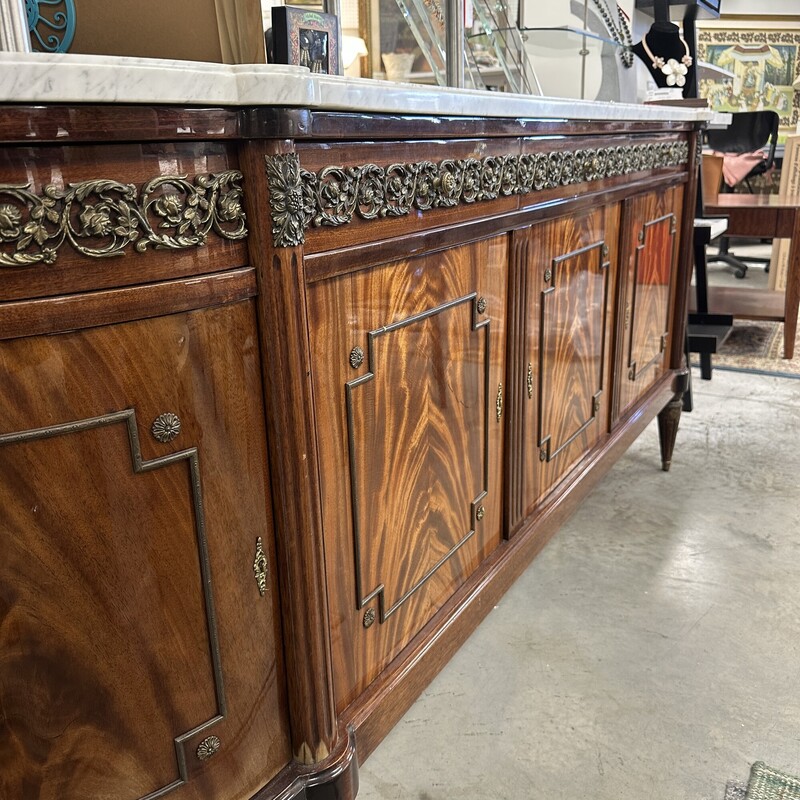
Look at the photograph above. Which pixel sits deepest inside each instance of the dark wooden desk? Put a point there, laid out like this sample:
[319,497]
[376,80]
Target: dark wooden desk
[767,216]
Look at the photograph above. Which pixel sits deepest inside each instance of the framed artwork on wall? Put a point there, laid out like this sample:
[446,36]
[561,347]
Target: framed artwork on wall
[306,38]
[756,69]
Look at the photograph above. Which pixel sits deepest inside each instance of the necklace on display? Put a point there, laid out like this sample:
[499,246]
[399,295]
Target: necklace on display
[618,28]
[674,70]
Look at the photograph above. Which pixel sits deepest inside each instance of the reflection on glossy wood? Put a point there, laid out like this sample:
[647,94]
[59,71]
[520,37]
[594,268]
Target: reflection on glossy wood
[136,164]
[650,241]
[571,273]
[409,444]
[107,652]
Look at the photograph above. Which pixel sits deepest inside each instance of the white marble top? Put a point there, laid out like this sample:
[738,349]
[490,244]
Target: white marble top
[74,78]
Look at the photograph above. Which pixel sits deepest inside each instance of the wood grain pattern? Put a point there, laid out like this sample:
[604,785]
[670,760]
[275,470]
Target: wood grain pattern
[67,312]
[106,646]
[650,248]
[396,688]
[571,267]
[25,124]
[36,167]
[291,426]
[410,446]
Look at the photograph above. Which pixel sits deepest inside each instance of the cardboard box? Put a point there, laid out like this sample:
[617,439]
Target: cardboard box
[222,31]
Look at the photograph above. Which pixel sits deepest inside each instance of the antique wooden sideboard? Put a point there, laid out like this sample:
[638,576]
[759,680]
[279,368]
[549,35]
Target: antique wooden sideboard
[289,398]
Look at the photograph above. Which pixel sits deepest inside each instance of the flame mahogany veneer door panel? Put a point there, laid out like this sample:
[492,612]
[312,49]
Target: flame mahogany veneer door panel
[408,362]
[565,272]
[134,638]
[650,255]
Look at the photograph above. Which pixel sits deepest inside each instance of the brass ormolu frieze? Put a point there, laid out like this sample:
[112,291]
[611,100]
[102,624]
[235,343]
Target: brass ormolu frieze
[336,195]
[101,218]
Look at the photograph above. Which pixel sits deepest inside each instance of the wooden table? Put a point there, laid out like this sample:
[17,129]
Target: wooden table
[767,216]
[764,216]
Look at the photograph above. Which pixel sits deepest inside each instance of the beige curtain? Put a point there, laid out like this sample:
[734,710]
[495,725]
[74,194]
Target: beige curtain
[241,34]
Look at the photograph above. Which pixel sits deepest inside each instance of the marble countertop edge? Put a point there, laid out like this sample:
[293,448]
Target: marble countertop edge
[76,78]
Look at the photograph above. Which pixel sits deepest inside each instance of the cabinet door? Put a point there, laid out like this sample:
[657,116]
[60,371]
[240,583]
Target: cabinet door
[650,257]
[139,654]
[564,273]
[407,374]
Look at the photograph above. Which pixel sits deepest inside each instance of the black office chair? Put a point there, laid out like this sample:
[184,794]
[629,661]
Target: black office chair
[749,131]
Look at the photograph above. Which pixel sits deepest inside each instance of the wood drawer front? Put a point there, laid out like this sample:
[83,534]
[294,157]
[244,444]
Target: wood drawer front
[570,267]
[133,632]
[359,189]
[75,219]
[650,256]
[409,441]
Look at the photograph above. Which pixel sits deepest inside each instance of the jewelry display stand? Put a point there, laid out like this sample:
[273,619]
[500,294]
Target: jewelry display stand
[667,56]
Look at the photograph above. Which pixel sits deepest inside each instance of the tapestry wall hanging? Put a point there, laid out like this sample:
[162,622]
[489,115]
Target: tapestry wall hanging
[762,62]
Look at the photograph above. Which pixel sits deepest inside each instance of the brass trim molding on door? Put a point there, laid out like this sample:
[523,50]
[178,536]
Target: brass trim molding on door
[190,455]
[351,387]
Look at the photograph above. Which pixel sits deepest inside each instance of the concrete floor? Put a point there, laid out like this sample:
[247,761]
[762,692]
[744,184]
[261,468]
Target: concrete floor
[652,650]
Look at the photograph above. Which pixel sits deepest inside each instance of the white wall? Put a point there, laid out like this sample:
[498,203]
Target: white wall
[761,8]
[556,56]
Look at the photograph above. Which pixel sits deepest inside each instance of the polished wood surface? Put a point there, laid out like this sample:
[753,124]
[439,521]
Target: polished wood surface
[124,571]
[67,312]
[770,216]
[314,158]
[136,164]
[27,124]
[303,123]
[572,266]
[406,487]
[746,303]
[411,446]
[648,279]
[291,426]
[390,695]
[343,259]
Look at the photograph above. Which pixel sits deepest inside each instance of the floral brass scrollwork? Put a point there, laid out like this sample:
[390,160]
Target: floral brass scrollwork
[101,218]
[337,195]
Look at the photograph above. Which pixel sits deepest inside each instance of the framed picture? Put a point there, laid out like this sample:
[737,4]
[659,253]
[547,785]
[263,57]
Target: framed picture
[306,38]
[755,68]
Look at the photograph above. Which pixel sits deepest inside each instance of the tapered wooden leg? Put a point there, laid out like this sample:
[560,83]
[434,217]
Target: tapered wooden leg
[668,420]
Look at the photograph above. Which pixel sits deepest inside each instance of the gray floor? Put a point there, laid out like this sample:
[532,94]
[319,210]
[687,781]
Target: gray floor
[720,274]
[652,650]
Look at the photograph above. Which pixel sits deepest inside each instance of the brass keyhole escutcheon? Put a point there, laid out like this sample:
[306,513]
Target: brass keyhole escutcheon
[596,404]
[530,381]
[499,402]
[480,513]
[481,305]
[542,454]
[369,617]
[260,567]
[548,275]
